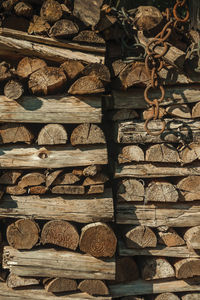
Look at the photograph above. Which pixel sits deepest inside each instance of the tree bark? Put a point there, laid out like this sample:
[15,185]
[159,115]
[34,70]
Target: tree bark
[52,134]
[86,134]
[93,287]
[141,237]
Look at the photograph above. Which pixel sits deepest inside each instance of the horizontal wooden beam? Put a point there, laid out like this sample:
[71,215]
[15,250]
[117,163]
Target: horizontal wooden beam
[55,263]
[134,98]
[51,109]
[180,252]
[26,157]
[83,209]
[141,287]
[172,215]
[152,170]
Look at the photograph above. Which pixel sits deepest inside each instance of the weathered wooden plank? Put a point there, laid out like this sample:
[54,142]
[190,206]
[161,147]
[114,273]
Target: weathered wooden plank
[173,215]
[127,132]
[51,109]
[180,252]
[83,209]
[54,263]
[25,157]
[152,170]
[134,98]
[141,287]
[40,294]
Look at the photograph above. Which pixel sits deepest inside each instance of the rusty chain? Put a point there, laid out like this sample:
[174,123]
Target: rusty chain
[154,63]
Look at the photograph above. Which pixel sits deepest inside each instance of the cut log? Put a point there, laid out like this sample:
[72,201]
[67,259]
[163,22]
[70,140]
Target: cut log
[190,153]
[10,177]
[88,12]
[170,238]
[161,191]
[23,234]
[93,287]
[77,172]
[46,81]
[54,263]
[187,268]
[167,296]
[72,68]
[91,170]
[7,5]
[38,26]
[52,177]
[97,179]
[189,188]
[99,70]
[13,89]
[82,209]
[86,134]
[64,28]
[23,9]
[130,190]
[60,233]
[52,134]
[28,65]
[68,189]
[141,237]
[180,111]
[196,110]
[192,237]
[37,190]
[59,285]
[156,268]
[87,85]
[14,281]
[15,190]
[98,239]
[123,114]
[130,153]
[66,179]
[162,153]
[51,11]
[147,18]
[32,179]
[46,158]
[88,36]
[5,72]
[126,270]
[96,189]
[192,296]
[15,133]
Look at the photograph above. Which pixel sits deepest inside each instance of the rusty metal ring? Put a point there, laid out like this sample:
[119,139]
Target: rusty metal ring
[154,133]
[150,101]
[175,13]
[156,109]
[164,50]
[148,69]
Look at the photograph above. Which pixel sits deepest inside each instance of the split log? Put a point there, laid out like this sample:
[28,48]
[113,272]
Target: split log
[88,36]
[88,12]
[192,237]
[66,179]
[147,17]
[186,215]
[85,134]
[5,72]
[14,281]
[51,11]
[68,189]
[149,287]
[156,268]
[46,81]
[10,177]
[15,190]
[28,65]
[191,296]
[64,28]
[72,68]
[190,153]
[53,263]
[82,209]
[52,134]
[130,153]
[161,191]
[15,133]
[96,189]
[59,285]
[52,177]
[170,238]
[46,158]
[187,268]
[32,179]
[180,111]
[77,172]
[51,109]
[38,26]
[196,110]
[162,153]
[60,233]
[23,9]
[167,296]
[98,240]
[37,190]
[189,188]
[130,190]
[99,70]
[97,179]
[123,114]
[22,234]
[93,287]
[87,85]
[141,237]
[126,270]
[91,170]
[13,89]
[8,4]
